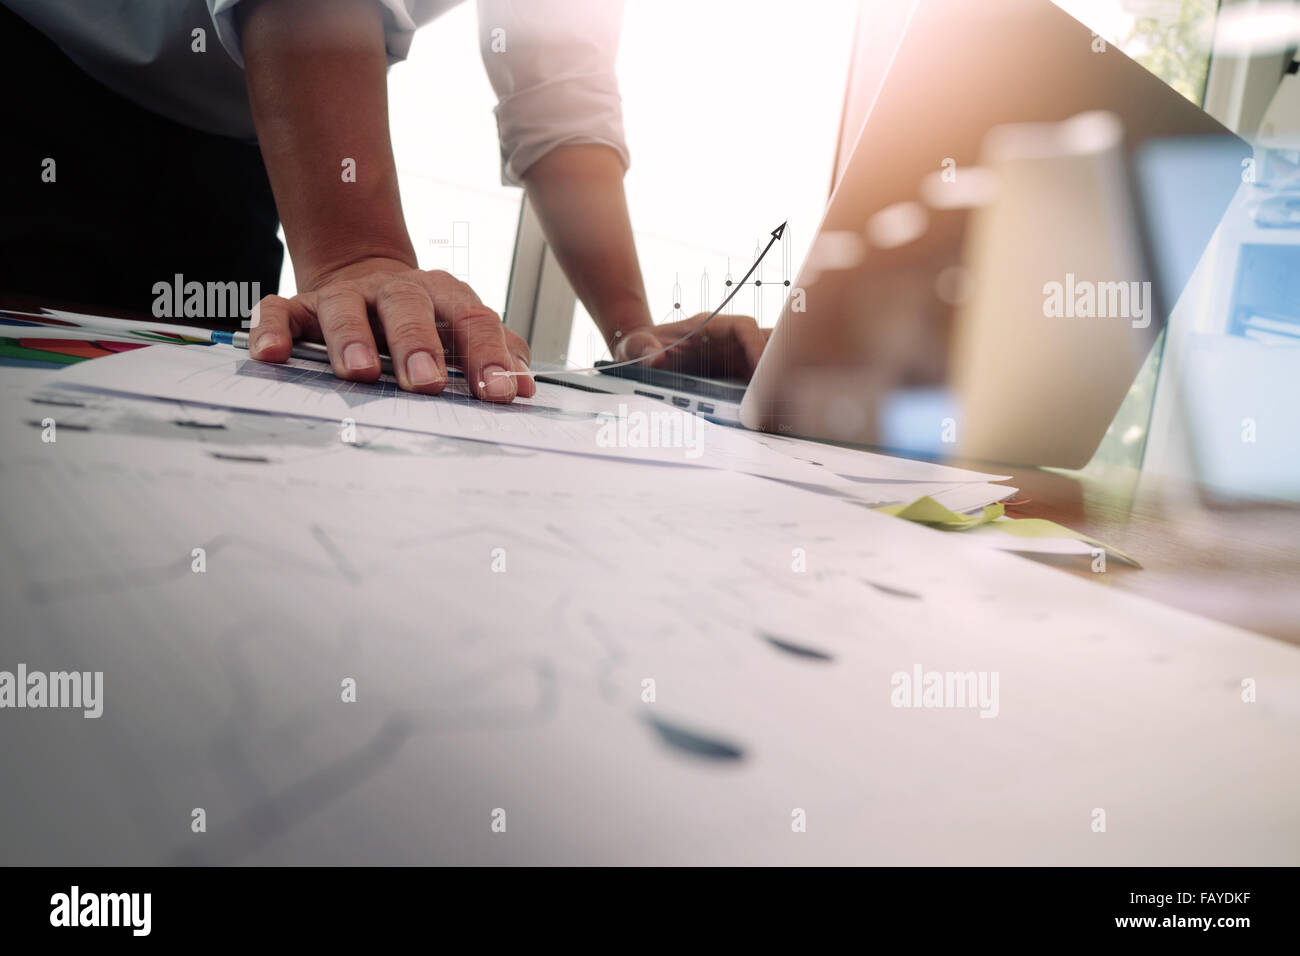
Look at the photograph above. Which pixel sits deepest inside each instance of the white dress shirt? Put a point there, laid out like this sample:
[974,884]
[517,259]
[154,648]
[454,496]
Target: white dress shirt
[551,63]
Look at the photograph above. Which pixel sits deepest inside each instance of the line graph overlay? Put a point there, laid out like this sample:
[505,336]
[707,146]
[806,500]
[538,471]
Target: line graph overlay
[775,234]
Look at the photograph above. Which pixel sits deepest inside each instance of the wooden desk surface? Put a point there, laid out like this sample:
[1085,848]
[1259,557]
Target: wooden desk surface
[1237,565]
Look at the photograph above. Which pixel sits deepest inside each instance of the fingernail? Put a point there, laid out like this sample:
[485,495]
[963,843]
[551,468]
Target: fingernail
[638,345]
[421,369]
[358,357]
[268,341]
[521,364]
[497,383]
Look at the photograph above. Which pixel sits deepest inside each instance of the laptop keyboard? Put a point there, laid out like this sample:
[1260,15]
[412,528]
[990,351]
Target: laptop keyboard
[676,381]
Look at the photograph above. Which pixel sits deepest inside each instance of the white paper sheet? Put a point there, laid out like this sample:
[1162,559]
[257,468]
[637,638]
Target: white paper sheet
[856,463]
[501,610]
[971,496]
[556,419]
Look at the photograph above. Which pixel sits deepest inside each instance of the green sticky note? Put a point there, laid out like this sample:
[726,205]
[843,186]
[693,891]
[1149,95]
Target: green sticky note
[928,511]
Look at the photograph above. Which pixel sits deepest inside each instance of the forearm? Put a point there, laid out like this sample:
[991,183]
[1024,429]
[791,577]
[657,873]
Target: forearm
[577,192]
[317,82]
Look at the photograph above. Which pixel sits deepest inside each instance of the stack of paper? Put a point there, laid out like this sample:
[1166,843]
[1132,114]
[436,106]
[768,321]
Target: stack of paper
[555,419]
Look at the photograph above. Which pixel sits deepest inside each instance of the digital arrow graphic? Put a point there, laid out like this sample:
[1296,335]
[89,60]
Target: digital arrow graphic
[776,234]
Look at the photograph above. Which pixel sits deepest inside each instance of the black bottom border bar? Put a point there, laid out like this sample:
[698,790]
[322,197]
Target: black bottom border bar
[366,904]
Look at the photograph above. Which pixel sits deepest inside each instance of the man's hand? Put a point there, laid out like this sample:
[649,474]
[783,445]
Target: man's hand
[577,191]
[728,347]
[426,321]
[316,72]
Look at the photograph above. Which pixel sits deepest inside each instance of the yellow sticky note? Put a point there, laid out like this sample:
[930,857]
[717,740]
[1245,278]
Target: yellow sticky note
[927,511]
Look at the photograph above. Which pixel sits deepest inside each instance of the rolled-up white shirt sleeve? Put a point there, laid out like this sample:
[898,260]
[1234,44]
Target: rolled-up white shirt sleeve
[551,63]
[400,20]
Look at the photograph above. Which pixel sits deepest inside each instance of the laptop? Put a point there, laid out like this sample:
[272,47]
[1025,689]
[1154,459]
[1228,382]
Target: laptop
[715,399]
[979,285]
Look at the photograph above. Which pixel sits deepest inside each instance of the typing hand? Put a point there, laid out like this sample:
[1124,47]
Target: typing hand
[424,320]
[728,347]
